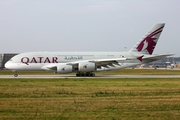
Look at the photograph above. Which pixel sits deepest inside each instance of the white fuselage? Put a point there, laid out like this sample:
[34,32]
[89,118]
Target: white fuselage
[41,60]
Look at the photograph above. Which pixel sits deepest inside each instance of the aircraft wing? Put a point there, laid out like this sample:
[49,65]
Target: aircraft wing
[108,62]
[115,60]
[102,62]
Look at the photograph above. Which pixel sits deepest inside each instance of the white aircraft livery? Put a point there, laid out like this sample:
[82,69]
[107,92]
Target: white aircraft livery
[85,63]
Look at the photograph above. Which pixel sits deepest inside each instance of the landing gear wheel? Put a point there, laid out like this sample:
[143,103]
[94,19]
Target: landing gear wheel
[77,75]
[82,74]
[88,74]
[15,75]
[93,75]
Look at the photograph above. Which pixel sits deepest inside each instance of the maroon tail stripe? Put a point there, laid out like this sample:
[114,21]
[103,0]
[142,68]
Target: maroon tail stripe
[154,33]
[157,30]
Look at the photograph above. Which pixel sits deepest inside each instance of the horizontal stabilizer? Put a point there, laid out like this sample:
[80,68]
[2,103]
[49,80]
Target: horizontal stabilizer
[156,57]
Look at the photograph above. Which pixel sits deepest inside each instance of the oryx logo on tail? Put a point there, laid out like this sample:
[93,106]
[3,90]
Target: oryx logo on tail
[149,42]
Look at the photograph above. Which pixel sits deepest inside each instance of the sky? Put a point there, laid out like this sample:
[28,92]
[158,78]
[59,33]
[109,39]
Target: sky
[86,25]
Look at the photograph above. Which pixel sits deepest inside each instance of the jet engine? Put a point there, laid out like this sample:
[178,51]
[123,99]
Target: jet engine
[63,68]
[86,67]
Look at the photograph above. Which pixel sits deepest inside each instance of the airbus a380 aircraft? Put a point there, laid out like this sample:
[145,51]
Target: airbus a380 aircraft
[85,63]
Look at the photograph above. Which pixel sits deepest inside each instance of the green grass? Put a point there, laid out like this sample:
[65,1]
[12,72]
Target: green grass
[74,99]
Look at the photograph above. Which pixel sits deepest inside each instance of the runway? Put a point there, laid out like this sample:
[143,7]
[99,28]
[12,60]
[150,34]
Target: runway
[97,76]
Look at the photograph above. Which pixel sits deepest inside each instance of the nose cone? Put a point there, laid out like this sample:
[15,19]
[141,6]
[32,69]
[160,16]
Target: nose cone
[8,65]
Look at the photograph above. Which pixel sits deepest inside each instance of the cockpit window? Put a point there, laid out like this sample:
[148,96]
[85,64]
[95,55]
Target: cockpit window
[11,60]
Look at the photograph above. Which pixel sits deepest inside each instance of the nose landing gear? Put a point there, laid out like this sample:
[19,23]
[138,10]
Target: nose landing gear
[15,74]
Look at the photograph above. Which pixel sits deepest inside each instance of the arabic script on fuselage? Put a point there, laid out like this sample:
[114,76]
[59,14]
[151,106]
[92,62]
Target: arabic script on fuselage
[73,57]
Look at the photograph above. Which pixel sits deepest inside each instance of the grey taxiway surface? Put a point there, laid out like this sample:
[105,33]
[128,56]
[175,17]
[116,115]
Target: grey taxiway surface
[97,76]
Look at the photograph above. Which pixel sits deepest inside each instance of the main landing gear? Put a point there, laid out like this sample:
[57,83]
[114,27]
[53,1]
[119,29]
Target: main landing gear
[87,74]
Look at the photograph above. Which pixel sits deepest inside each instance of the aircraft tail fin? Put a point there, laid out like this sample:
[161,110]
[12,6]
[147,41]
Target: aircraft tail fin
[147,44]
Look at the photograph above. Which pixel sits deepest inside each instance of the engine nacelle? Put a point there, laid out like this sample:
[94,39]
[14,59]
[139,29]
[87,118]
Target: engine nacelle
[63,68]
[86,67]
